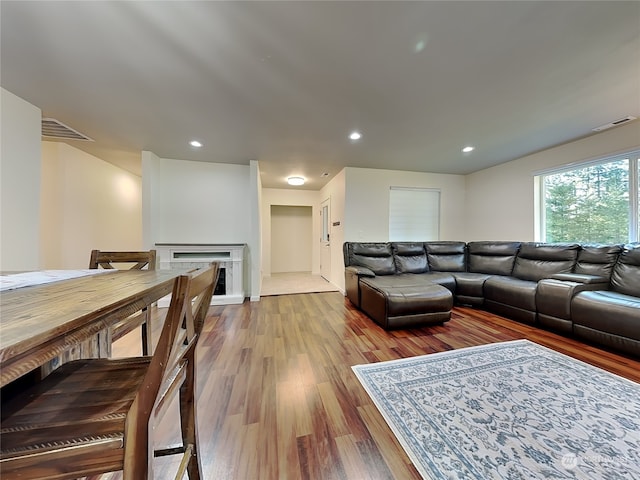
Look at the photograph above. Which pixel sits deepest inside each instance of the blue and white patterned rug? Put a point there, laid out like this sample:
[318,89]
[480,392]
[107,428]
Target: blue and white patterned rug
[511,410]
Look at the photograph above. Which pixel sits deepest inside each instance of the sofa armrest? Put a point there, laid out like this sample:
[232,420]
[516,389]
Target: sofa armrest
[581,278]
[359,271]
[352,276]
[553,295]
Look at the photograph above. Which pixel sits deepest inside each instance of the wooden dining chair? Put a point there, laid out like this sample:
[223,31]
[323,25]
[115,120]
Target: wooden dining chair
[142,319]
[94,416]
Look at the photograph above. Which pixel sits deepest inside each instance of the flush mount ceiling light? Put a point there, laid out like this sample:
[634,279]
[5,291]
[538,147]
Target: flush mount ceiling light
[355,135]
[468,149]
[195,143]
[297,181]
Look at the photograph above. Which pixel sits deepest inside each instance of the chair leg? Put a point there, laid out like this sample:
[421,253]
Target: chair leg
[188,421]
[138,459]
[147,341]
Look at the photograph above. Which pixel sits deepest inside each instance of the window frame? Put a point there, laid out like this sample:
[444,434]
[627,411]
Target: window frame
[633,156]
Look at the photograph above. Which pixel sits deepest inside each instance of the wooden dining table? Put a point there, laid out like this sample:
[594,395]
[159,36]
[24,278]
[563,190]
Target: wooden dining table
[39,323]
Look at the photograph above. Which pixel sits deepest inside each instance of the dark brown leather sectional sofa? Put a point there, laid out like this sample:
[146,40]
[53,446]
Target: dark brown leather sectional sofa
[591,291]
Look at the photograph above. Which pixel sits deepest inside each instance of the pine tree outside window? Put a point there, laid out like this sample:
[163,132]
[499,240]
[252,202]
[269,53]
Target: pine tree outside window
[595,202]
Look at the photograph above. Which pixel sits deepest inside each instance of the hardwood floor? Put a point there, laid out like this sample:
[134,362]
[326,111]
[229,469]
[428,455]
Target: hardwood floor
[278,400]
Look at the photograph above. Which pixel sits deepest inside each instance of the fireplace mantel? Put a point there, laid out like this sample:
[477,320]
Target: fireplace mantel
[187,255]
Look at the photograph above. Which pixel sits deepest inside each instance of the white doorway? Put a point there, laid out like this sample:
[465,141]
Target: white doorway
[325,240]
[291,238]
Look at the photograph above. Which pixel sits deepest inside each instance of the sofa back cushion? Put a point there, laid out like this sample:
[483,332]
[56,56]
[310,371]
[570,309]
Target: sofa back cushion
[536,261]
[495,258]
[626,272]
[597,259]
[410,257]
[377,257]
[446,256]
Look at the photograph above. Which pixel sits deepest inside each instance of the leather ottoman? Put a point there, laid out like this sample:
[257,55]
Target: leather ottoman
[406,306]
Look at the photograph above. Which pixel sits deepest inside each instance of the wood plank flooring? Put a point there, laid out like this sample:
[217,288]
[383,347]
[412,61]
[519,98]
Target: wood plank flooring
[277,398]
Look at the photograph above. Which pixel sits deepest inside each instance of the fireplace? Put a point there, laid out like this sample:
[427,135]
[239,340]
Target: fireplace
[230,287]
[221,286]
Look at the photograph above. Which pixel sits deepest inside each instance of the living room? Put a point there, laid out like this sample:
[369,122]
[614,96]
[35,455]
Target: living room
[279,394]
[473,207]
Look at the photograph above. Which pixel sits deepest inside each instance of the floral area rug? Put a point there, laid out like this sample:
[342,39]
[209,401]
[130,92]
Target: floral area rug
[511,410]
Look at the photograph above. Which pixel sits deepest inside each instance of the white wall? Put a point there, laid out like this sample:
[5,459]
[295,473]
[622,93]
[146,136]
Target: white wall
[20,159]
[290,197]
[360,202]
[291,239]
[367,202]
[335,191]
[200,202]
[500,202]
[203,202]
[150,182]
[254,254]
[86,203]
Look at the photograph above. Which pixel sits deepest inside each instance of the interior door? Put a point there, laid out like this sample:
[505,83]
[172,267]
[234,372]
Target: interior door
[325,243]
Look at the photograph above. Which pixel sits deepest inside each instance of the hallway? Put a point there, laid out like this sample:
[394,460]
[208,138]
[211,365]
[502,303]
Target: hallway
[294,282]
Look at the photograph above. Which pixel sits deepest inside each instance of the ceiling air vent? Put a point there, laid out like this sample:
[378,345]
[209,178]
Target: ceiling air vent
[52,128]
[615,123]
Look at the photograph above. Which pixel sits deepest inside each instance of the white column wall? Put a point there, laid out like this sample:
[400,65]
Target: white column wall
[20,163]
[203,202]
[255,245]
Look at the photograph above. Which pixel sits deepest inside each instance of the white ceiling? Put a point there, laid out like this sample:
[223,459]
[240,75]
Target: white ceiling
[285,82]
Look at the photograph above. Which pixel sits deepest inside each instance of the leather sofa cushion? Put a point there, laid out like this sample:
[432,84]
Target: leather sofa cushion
[470,284]
[377,257]
[410,257]
[446,256]
[607,311]
[412,280]
[626,273]
[597,259]
[495,258]
[537,261]
[511,291]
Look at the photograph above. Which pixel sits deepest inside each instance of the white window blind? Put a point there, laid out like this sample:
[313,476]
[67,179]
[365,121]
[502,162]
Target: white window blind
[414,214]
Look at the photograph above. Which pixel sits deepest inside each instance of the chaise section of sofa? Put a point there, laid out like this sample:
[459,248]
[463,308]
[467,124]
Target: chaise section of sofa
[392,283]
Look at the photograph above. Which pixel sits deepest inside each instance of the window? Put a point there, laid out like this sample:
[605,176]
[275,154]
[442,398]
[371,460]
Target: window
[596,202]
[414,214]
[325,221]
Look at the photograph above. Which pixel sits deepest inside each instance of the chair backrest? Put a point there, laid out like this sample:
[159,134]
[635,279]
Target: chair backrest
[172,361]
[107,259]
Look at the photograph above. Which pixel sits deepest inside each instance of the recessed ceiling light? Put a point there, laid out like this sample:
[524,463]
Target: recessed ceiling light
[195,143]
[468,149]
[325,174]
[355,135]
[295,181]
